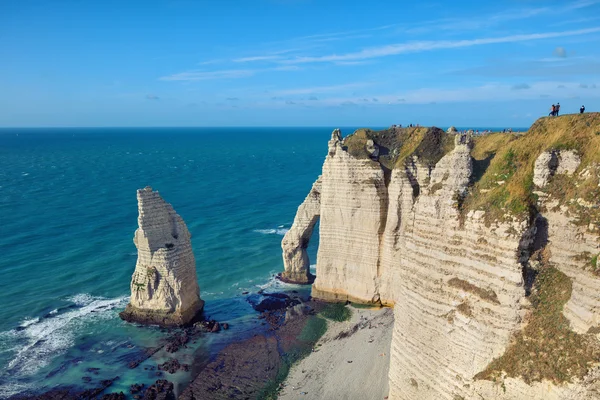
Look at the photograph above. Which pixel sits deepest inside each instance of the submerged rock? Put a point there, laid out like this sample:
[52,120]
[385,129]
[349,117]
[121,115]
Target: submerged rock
[271,301]
[164,285]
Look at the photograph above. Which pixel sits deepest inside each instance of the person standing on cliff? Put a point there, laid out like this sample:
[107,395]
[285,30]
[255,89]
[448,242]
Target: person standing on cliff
[557,109]
[582,110]
[552,110]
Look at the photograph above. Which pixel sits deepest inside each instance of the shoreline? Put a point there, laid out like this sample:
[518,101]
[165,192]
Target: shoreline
[351,360]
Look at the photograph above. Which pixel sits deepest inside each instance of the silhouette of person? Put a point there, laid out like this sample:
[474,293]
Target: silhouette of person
[552,110]
[557,109]
[582,110]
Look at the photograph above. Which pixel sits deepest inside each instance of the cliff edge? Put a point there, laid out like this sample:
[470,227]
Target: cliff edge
[164,285]
[487,247]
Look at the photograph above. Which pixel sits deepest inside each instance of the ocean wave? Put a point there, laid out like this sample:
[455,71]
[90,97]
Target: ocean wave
[10,389]
[274,284]
[40,340]
[278,231]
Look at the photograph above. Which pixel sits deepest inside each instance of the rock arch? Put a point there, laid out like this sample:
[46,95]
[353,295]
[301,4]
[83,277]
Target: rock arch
[295,242]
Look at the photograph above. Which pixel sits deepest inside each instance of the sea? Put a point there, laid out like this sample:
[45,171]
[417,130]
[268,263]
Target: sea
[68,212]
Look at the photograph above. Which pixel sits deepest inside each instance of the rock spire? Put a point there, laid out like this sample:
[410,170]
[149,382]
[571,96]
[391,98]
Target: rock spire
[164,285]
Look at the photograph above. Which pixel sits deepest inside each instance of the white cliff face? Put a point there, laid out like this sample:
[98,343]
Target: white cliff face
[295,241]
[456,289]
[352,219]
[456,282]
[164,285]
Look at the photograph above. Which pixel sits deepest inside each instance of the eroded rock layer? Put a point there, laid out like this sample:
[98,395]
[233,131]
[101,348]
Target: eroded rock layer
[487,255]
[164,285]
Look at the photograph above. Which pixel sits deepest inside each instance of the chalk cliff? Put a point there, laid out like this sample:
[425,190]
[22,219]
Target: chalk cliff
[486,247]
[164,285]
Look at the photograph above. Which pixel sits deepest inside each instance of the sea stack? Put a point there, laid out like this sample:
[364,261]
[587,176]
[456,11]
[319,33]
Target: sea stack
[164,285]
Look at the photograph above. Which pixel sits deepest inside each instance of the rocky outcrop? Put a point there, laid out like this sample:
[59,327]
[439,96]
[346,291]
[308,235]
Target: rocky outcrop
[461,274]
[164,285]
[295,242]
[554,162]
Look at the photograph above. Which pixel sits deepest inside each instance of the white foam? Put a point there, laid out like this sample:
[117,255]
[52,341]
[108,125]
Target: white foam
[28,321]
[10,389]
[48,338]
[275,284]
[278,231]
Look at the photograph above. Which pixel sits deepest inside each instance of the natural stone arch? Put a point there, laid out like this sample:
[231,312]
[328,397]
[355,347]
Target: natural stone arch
[295,242]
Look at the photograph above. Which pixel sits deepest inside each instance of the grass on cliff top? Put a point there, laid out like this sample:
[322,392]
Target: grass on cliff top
[504,163]
[397,144]
[547,349]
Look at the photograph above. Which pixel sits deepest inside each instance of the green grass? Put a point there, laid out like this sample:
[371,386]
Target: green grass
[547,349]
[336,312]
[510,159]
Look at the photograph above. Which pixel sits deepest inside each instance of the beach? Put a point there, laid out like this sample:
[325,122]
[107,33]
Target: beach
[350,361]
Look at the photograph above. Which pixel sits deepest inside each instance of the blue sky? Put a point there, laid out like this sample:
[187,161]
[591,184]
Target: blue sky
[295,62]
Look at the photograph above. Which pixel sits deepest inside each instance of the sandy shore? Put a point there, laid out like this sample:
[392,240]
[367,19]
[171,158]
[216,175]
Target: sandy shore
[350,361]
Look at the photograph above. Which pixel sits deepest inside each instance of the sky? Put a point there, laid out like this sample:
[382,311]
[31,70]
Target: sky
[466,63]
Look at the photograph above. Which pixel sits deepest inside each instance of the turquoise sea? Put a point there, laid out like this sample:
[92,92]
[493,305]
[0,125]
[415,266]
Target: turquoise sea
[68,212]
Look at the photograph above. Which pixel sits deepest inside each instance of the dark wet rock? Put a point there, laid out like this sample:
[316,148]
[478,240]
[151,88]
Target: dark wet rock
[176,342]
[239,372]
[262,302]
[91,393]
[140,357]
[161,390]
[225,326]
[208,325]
[114,396]
[54,394]
[172,366]
[296,311]
[243,369]
[136,388]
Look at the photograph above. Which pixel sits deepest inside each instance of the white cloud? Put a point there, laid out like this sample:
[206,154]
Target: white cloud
[223,74]
[256,58]
[320,89]
[421,46]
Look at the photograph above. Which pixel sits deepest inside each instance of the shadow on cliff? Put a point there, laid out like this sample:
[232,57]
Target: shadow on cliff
[538,244]
[480,166]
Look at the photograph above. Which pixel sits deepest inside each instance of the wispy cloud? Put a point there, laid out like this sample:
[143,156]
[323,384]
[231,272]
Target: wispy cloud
[489,92]
[152,97]
[211,62]
[223,74]
[521,86]
[256,58]
[415,47]
[581,4]
[321,89]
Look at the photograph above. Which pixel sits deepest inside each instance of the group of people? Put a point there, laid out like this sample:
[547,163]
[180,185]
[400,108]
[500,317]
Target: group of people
[408,126]
[554,110]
